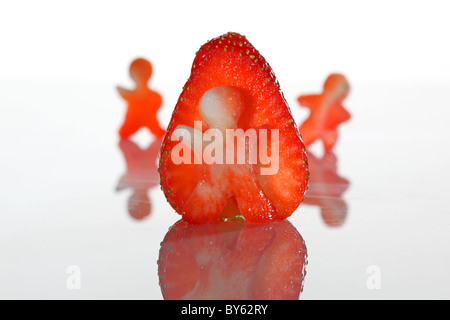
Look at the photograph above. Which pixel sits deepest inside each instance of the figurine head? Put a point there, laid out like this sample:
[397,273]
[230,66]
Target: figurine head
[337,85]
[139,205]
[141,71]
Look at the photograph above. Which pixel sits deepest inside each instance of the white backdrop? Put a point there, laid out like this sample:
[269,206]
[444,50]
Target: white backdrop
[302,40]
[60,163]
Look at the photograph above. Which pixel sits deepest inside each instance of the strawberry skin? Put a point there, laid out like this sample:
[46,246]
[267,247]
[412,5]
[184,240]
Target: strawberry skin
[232,260]
[230,60]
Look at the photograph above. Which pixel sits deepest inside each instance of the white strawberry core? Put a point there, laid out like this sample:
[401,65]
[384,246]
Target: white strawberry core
[221,107]
[187,134]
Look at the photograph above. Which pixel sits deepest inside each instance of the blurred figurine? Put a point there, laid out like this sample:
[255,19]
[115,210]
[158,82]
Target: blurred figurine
[326,188]
[143,103]
[141,175]
[327,112]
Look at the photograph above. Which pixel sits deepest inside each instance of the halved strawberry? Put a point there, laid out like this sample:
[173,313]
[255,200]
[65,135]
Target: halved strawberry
[231,86]
[232,260]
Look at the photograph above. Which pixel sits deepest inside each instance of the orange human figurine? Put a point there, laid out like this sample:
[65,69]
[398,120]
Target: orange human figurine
[141,175]
[326,188]
[327,112]
[143,103]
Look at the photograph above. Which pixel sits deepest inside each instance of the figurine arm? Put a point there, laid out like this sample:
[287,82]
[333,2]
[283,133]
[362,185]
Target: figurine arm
[124,93]
[309,101]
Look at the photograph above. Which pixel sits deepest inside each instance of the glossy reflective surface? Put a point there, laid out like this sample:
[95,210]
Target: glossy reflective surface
[232,260]
[82,215]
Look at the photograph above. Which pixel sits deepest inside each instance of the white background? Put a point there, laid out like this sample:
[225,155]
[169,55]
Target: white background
[94,40]
[59,115]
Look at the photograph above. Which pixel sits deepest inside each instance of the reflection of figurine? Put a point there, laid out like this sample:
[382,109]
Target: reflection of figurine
[326,188]
[232,260]
[327,112]
[141,175]
[143,103]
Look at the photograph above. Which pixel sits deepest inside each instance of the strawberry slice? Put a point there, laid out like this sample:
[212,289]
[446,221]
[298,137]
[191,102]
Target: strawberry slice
[232,87]
[232,260]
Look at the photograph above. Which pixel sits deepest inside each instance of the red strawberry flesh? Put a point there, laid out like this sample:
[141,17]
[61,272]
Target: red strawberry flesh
[231,86]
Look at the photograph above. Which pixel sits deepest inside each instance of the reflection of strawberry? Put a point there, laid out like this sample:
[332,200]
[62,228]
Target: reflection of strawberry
[326,188]
[232,86]
[327,112]
[232,260]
